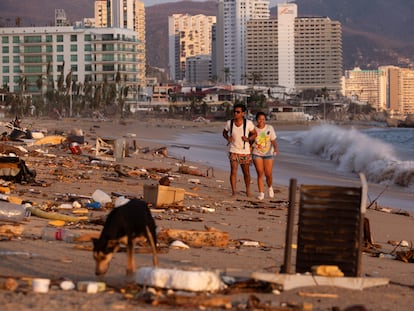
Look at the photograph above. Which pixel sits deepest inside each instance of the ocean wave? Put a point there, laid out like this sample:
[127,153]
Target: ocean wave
[354,151]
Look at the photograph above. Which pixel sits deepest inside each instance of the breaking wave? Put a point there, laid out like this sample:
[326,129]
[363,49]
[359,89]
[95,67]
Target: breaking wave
[354,151]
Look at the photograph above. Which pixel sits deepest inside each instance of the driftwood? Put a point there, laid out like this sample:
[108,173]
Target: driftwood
[195,238]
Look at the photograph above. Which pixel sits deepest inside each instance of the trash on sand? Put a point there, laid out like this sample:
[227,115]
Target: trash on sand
[406,256]
[57,216]
[9,284]
[13,212]
[101,197]
[67,285]
[179,245]
[327,270]
[184,169]
[40,285]
[194,238]
[196,281]
[91,286]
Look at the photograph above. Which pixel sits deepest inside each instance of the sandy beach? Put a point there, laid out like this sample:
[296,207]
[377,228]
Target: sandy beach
[207,204]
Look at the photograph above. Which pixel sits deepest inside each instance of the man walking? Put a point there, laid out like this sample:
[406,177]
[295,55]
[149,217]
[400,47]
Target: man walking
[239,132]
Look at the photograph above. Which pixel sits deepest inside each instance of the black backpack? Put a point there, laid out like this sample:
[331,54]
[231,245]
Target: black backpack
[244,128]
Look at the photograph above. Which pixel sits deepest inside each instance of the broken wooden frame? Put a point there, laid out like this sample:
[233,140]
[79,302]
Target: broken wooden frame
[330,227]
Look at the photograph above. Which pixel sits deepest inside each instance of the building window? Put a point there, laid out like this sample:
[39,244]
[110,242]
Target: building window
[88,57]
[59,38]
[88,67]
[49,49]
[88,38]
[16,69]
[5,49]
[16,39]
[73,48]
[5,59]
[16,59]
[74,68]
[74,58]
[16,49]
[59,48]
[88,47]
[73,38]
[59,58]
[6,69]
[32,39]
[49,38]
[5,40]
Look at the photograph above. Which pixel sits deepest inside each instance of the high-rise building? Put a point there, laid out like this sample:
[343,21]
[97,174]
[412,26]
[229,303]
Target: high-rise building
[189,36]
[297,53]
[286,17]
[101,13]
[232,16]
[92,55]
[128,14]
[364,86]
[198,69]
[389,88]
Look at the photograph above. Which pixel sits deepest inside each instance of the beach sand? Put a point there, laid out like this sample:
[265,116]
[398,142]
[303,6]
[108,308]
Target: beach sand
[28,256]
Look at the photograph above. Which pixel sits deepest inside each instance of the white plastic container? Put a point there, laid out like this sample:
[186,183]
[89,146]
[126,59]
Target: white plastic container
[101,197]
[40,285]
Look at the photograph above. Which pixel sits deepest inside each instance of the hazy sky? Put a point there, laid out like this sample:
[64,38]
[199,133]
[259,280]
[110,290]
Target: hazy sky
[153,2]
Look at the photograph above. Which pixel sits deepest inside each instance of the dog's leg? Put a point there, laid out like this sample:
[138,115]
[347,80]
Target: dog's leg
[153,247]
[131,257]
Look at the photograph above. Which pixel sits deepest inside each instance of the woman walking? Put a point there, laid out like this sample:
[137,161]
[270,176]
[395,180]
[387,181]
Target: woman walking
[264,149]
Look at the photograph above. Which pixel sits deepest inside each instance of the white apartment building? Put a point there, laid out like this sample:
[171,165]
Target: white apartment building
[90,54]
[188,36]
[128,14]
[286,16]
[305,56]
[232,16]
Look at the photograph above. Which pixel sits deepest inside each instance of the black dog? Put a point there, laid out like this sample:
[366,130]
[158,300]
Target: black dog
[122,226]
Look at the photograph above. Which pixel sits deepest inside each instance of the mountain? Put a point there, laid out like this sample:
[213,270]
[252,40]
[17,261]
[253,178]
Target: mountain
[375,32]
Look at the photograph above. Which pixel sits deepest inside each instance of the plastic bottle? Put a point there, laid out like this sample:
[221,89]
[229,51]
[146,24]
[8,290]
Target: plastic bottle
[58,234]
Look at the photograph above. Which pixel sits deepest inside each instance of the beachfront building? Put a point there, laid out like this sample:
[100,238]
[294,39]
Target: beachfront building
[91,55]
[128,14]
[298,53]
[364,86]
[188,36]
[232,16]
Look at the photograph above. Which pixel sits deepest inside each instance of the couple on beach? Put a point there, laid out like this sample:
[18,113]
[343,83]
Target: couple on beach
[246,142]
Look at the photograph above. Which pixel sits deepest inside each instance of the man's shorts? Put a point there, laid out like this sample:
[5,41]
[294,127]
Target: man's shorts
[240,158]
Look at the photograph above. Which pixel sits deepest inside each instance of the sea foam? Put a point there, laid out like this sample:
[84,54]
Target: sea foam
[354,151]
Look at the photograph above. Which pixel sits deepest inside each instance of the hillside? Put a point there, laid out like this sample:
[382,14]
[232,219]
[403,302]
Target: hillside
[375,32]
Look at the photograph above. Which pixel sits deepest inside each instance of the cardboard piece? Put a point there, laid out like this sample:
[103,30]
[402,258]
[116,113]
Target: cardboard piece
[159,195]
[291,281]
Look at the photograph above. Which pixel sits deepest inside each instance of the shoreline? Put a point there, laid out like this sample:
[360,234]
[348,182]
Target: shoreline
[241,217]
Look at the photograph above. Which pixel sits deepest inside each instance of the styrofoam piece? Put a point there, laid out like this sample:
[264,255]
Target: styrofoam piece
[291,281]
[194,281]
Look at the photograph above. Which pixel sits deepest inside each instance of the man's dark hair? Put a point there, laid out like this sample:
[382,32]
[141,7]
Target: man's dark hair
[239,105]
